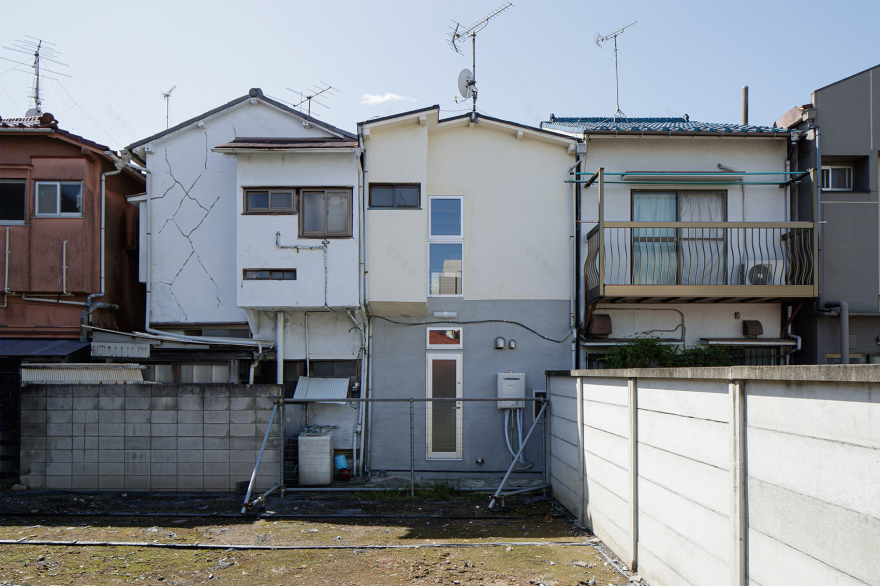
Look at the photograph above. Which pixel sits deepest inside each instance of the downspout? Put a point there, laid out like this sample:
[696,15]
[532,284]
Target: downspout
[279,348]
[64,268]
[572,251]
[366,414]
[6,291]
[362,222]
[794,337]
[844,328]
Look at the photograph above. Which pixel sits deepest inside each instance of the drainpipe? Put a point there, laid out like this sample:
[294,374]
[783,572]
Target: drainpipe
[789,334]
[6,291]
[572,251]
[64,268]
[819,229]
[366,411]
[279,348]
[844,328]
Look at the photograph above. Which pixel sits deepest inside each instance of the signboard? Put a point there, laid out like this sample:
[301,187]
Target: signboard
[120,350]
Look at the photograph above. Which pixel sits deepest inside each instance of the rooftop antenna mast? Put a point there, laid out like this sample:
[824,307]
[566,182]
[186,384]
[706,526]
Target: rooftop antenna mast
[311,93]
[599,40]
[167,97]
[467,79]
[41,51]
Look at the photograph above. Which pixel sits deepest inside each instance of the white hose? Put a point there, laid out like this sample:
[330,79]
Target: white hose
[519,422]
[507,433]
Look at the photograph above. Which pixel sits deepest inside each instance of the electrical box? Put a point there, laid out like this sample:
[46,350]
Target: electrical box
[511,390]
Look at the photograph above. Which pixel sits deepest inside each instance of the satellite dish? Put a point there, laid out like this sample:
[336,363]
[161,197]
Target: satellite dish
[465,84]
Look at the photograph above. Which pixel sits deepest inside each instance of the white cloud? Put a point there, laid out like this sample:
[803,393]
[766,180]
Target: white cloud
[376,99]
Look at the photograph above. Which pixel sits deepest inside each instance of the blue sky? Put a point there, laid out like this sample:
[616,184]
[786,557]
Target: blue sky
[537,58]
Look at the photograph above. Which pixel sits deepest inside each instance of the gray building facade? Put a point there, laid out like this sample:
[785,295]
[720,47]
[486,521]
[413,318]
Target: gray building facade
[841,134]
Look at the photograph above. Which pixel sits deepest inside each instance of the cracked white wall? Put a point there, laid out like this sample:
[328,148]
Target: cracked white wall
[194,209]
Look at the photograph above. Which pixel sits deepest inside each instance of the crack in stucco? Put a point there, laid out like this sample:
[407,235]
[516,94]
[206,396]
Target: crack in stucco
[172,219]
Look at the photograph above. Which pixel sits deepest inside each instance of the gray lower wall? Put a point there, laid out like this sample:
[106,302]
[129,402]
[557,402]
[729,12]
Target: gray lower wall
[186,438]
[811,509]
[821,336]
[399,367]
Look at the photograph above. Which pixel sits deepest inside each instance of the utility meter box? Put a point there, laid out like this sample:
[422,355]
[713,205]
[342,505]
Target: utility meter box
[511,390]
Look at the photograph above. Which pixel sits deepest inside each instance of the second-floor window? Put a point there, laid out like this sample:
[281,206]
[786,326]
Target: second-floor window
[384,195]
[325,213]
[269,201]
[445,245]
[13,196]
[59,198]
[684,256]
[837,178]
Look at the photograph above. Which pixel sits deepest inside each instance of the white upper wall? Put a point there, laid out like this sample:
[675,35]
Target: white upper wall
[516,209]
[257,233]
[195,205]
[762,203]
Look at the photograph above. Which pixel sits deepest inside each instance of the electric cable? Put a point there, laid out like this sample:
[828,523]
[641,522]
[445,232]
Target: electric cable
[477,321]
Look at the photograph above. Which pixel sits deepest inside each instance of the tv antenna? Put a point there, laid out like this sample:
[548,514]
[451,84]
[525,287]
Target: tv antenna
[311,93]
[599,40]
[41,51]
[467,83]
[167,97]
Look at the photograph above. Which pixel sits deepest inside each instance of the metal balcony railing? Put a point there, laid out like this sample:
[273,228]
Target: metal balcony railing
[700,260]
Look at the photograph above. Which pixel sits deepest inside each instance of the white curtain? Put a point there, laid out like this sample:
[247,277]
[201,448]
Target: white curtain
[653,250]
[702,250]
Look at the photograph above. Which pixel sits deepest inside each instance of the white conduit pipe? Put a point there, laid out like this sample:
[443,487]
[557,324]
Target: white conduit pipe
[64,268]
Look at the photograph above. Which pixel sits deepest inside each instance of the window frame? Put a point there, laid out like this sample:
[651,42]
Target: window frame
[446,239]
[292,210]
[677,238]
[830,169]
[394,205]
[430,346]
[59,213]
[245,272]
[24,215]
[324,234]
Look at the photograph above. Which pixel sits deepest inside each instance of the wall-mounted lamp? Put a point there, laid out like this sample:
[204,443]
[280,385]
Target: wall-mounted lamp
[500,343]
[512,344]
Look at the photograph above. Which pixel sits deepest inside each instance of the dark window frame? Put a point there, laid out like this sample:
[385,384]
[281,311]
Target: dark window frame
[322,234]
[395,187]
[255,275]
[270,211]
[24,206]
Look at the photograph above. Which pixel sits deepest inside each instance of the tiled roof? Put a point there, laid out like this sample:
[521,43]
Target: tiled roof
[48,122]
[655,125]
[286,144]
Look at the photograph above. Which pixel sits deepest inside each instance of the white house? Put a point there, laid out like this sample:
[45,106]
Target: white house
[468,244]
[250,237]
[686,235]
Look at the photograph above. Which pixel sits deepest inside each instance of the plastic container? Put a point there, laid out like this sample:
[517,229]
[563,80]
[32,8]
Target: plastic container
[315,458]
[341,462]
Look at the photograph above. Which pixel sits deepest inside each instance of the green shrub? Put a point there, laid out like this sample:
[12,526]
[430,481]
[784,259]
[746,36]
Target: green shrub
[652,353]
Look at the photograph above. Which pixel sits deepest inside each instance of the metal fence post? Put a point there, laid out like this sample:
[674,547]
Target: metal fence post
[282,444]
[412,458]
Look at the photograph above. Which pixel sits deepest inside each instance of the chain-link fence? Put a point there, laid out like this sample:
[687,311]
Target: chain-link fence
[365,444]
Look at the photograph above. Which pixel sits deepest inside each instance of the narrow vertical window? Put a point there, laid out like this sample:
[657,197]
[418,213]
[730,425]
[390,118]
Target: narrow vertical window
[446,245]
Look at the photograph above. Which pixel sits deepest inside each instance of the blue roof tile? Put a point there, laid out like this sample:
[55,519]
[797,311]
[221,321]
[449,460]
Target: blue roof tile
[659,125]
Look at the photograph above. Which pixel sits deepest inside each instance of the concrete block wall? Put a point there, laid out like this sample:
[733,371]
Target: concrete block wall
[184,438]
[744,475]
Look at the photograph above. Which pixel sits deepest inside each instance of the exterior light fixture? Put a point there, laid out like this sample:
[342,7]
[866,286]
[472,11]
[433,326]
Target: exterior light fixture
[512,344]
[500,343]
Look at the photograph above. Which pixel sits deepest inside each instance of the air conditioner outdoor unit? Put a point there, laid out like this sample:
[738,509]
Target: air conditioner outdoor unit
[768,272]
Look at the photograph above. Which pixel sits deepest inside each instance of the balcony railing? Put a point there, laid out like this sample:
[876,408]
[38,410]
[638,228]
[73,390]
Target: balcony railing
[700,261]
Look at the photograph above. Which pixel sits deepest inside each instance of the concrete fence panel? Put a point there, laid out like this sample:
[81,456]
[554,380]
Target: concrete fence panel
[745,476]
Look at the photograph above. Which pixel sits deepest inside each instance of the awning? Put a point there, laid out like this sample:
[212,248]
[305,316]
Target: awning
[39,347]
[606,342]
[321,389]
[81,374]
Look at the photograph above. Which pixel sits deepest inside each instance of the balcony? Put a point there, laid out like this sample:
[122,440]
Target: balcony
[700,261]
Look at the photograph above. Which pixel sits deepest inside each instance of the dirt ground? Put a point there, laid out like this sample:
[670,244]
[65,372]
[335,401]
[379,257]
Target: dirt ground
[341,539]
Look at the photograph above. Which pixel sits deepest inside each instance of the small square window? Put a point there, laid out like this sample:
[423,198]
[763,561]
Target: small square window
[13,198]
[837,178]
[59,198]
[446,217]
[269,201]
[325,213]
[444,338]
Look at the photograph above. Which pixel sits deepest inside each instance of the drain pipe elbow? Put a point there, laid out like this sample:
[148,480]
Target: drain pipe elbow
[86,314]
[843,310]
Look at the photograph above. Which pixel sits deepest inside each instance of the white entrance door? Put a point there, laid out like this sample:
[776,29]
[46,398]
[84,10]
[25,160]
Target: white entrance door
[444,427]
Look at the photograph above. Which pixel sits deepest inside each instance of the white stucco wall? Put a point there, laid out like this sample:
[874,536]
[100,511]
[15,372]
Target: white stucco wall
[194,213]
[256,247]
[331,336]
[516,210]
